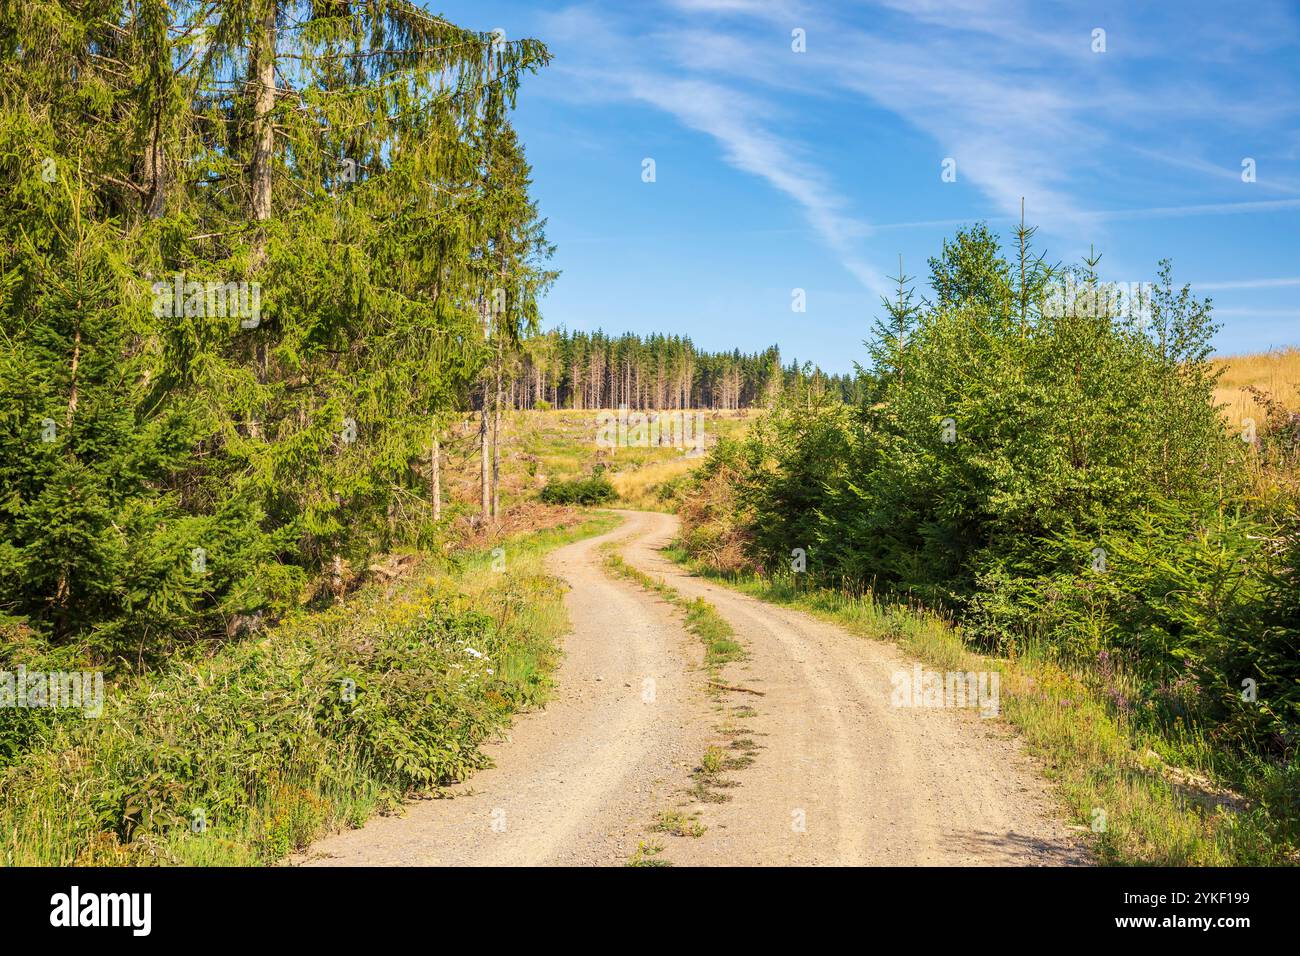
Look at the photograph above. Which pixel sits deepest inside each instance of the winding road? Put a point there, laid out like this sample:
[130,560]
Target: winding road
[831,773]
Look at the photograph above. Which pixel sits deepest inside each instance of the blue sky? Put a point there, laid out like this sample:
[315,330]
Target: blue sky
[777,170]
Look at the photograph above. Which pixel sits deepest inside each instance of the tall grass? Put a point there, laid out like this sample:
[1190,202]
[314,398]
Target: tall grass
[653,486]
[245,757]
[560,444]
[1276,371]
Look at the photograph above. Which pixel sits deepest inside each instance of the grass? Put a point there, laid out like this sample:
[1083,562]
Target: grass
[647,854]
[243,758]
[1137,810]
[677,823]
[652,486]
[1276,371]
[702,620]
[707,778]
[538,447]
[712,761]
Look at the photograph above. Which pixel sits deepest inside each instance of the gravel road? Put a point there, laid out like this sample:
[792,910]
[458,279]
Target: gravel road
[838,776]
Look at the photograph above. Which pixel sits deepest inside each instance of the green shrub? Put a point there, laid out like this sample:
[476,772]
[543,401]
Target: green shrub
[274,736]
[22,728]
[595,490]
[1061,477]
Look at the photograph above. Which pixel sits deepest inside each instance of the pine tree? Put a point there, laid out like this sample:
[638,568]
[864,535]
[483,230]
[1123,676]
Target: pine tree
[891,336]
[325,164]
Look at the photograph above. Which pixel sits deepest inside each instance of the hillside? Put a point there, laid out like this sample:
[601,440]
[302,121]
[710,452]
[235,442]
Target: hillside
[1276,372]
[563,444]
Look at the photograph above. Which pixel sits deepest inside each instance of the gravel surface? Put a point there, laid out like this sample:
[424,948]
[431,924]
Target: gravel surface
[837,776]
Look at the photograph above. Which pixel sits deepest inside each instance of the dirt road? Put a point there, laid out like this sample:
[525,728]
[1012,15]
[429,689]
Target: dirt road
[575,783]
[835,775]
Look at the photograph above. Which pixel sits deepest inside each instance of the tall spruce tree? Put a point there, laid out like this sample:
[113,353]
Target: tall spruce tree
[240,260]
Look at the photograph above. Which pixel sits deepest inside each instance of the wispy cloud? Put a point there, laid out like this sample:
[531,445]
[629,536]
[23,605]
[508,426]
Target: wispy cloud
[1266,179]
[777,10]
[1014,94]
[749,146]
[741,124]
[1112,215]
[1197,209]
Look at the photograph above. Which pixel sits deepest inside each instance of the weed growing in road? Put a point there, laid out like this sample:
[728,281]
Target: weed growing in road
[647,854]
[708,776]
[679,824]
[712,761]
[720,644]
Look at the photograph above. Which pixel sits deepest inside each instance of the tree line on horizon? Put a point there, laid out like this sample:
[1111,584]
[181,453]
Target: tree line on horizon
[595,370]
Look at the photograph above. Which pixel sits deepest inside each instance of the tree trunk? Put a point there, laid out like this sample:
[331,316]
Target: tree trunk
[72,389]
[435,475]
[155,169]
[485,480]
[496,443]
[262,64]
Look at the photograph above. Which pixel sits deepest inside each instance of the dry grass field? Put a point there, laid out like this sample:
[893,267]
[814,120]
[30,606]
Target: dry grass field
[1276,372]
[560,444]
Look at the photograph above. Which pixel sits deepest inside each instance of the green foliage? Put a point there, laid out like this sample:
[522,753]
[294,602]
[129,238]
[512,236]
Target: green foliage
[23,728]
[389,209]
[1051,475]
[595,490]
[272,711]
[274,738]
